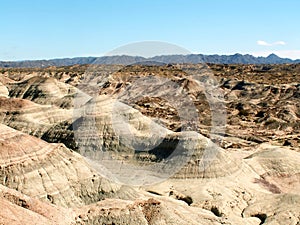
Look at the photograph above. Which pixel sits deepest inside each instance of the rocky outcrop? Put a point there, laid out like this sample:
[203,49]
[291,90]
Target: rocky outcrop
[45,91]
[118,131]
[189,173]
[29,117]
[3,91]
[59,176]
[278,167]
[261,106]
[264,190]
[145,211]
[280,209]
[21,209]
[51,172]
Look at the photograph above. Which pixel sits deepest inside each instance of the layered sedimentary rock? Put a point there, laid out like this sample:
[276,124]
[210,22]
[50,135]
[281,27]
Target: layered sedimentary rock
[17,208]
[151,210]
[264,190]
[137,139]
[3,91]
[278,167]
[31,118]
[59,176]
[51,171]
[44,90]
[261,106]
[280,209]
[108,129]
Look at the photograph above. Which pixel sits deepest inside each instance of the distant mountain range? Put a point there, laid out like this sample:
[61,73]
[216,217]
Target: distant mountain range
[125,60]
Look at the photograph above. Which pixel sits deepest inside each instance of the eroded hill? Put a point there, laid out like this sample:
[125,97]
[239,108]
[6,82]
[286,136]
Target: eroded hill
[245,171]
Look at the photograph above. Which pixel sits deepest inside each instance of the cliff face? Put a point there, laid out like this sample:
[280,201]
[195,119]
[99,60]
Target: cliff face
[66,165]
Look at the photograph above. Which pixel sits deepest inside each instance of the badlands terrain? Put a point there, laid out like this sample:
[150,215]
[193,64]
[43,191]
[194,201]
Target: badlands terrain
[150,144]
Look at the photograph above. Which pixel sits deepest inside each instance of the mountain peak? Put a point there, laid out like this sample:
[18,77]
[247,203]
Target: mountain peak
[273,56]
[128,60]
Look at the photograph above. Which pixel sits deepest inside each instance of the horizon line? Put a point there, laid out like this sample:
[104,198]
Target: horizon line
[100,56]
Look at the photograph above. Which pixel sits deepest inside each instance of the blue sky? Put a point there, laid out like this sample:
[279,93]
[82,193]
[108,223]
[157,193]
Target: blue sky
[54,29]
